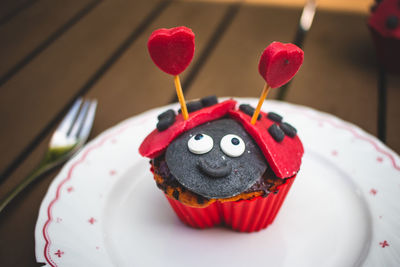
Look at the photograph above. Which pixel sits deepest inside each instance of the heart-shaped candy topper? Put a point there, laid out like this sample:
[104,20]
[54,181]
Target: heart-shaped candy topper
[172,49]
[279,63]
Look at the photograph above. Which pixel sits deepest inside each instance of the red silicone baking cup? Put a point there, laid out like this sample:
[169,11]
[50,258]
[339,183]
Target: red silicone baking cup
[243,216]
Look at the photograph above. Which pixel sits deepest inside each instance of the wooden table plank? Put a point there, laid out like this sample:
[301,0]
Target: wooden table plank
[393,112]
[338,5]
[32,27]
[53,78]
[10,8]
[135,84]
[232,69]
[339,74]
[360,6]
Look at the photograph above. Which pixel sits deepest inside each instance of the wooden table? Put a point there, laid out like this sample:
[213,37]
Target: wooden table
[54,51]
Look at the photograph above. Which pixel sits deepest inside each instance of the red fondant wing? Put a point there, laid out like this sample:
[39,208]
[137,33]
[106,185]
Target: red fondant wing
[284,157]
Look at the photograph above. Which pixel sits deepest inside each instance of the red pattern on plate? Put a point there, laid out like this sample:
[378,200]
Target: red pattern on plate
[384,244]
[59,253]
[92,220]
[373,191]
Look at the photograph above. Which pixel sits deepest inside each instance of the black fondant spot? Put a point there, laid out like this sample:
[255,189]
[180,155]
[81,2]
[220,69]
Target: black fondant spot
[209,101]
[245,170]
[165,122]
[392,22]
[276,132]
[288,129]
[167,113]
[274,116]
[175,194]
[193,106]
[249,110]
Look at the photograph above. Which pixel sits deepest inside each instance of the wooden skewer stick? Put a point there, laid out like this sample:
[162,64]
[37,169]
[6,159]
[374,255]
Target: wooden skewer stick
[260,102]
[180,97]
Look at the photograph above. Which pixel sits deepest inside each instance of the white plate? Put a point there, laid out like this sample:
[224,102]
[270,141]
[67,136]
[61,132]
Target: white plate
[104,209]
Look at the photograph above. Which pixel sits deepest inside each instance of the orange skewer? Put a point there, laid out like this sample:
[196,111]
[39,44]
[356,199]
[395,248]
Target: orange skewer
[260,102]
[180,97]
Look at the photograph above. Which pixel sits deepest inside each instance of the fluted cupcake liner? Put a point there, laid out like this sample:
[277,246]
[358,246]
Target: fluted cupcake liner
[243,216]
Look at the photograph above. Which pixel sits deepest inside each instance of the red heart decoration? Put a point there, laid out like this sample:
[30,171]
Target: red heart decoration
[279,63]
[172,49]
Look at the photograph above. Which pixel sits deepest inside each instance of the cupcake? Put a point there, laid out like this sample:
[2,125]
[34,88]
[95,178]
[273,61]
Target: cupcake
[384,24]
[217,168]
[216,162]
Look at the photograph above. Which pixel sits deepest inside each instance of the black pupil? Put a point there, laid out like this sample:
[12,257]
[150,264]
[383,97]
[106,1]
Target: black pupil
[235,141]
[198,136]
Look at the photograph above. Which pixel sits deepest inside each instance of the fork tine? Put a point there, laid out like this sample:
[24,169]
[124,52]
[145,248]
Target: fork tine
[88,123]
[68,120]
[79,120]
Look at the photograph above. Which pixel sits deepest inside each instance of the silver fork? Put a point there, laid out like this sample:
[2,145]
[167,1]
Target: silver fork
[69,137]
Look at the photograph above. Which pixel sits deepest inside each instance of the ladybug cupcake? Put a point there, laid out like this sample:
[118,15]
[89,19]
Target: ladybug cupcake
[217,162]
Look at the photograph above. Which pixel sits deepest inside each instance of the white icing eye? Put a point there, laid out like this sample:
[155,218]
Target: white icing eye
[200,144]
[232,145]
